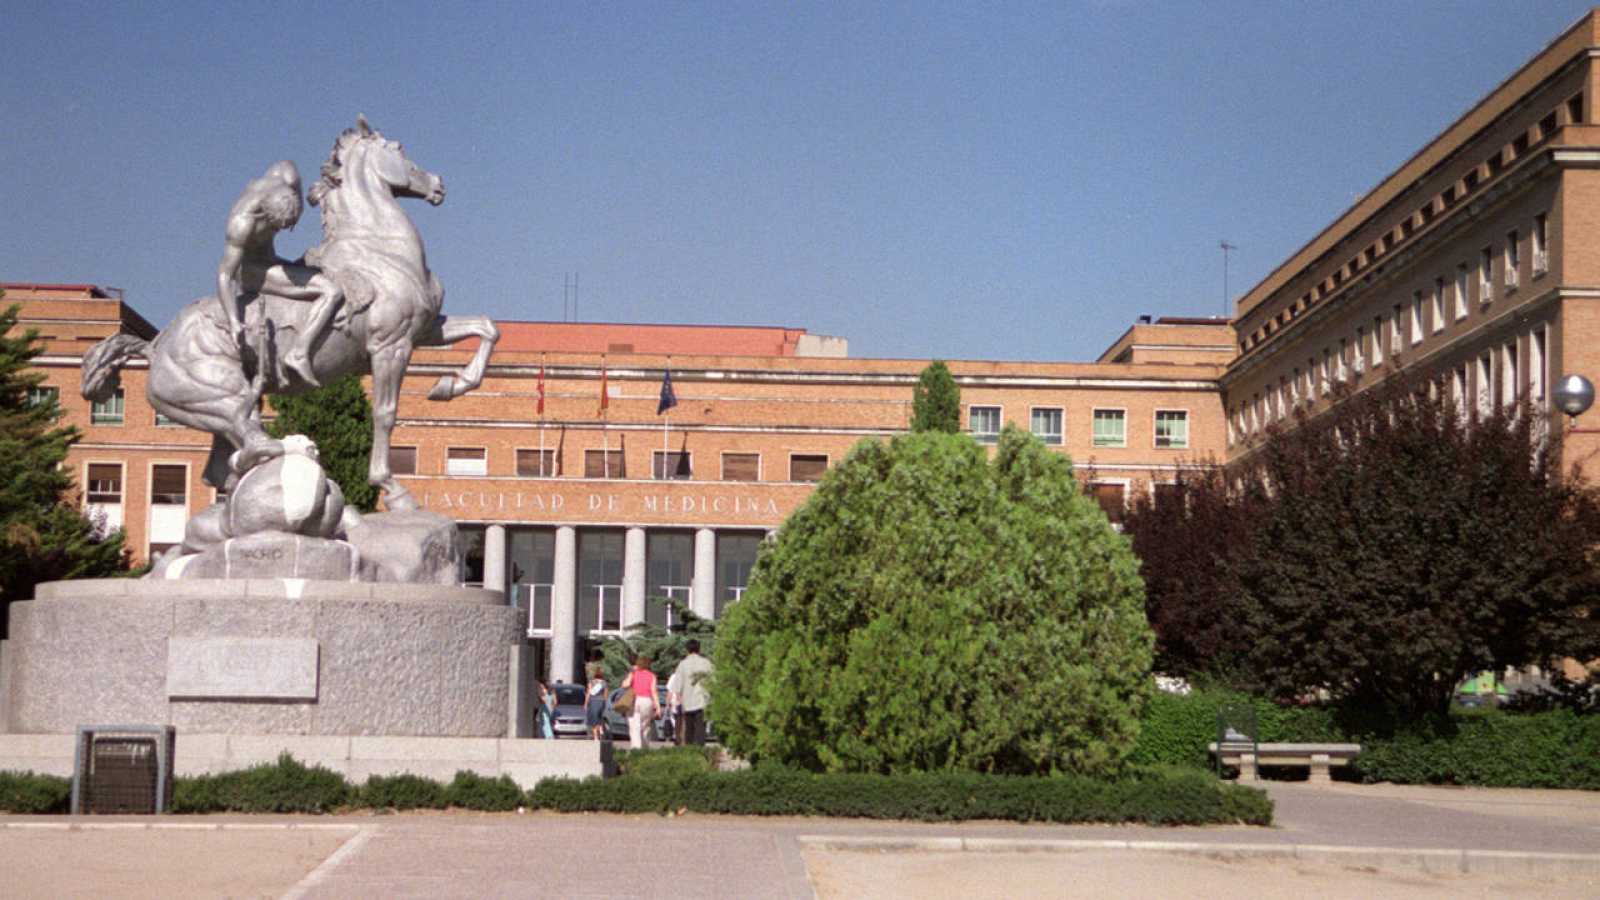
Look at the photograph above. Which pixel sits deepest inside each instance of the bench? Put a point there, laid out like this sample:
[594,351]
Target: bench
[1319,757]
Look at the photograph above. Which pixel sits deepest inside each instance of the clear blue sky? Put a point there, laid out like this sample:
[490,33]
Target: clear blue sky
[965,180]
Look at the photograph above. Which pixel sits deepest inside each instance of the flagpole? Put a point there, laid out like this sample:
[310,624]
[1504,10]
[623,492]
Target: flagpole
[605,435]
[541,416]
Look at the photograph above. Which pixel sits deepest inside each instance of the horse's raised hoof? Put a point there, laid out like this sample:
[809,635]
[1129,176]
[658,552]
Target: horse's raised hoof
[444,388]
[300,364]
[398,499]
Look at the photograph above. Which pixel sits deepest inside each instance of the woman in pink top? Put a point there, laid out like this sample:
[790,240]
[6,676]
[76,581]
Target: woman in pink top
[643,682]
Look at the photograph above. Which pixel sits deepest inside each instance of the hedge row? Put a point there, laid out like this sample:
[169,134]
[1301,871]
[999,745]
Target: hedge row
[1485,748]
[1153,796]
[661,781]
[287,786]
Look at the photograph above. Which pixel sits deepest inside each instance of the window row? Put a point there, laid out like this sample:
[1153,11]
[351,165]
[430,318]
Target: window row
[1569,112]
[665,465]
[1491,386]
[110,411]
[1109,426]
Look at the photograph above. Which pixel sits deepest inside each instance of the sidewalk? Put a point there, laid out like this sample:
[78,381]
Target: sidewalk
[1538,835]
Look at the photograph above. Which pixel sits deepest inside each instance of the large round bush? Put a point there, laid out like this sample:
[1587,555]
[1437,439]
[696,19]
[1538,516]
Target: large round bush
[928,609]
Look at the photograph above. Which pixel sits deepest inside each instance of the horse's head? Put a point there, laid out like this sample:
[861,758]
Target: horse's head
[364,149]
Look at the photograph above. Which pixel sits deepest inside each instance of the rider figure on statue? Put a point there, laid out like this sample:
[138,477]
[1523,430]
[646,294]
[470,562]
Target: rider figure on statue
[251,265]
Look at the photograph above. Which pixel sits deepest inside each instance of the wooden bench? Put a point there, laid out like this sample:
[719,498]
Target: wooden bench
[1319,757]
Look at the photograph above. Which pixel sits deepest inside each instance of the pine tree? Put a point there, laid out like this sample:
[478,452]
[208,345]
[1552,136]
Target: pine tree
[338,418]
[44,536]
[936,400]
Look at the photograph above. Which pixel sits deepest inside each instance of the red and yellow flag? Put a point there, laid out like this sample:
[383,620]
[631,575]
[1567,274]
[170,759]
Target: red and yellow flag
[605,398]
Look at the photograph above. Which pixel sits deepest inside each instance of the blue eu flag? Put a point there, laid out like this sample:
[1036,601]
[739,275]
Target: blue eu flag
[668,398]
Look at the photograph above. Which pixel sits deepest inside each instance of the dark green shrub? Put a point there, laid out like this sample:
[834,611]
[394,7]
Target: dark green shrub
[27,792]
[470,790]
[929,609]
[285,786]
[402,792]
[1154,796]
[1175,730]
[676,763]
[1490,748]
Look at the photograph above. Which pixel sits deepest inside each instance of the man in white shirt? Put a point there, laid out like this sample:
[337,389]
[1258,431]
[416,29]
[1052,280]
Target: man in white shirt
[688,685]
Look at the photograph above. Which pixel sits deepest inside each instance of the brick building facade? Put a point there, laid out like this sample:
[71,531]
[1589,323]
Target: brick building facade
[586,518]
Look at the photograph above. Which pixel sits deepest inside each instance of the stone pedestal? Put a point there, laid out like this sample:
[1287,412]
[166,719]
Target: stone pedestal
[281,656]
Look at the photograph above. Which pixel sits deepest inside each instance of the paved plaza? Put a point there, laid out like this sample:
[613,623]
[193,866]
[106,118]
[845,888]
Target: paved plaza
[1340,840]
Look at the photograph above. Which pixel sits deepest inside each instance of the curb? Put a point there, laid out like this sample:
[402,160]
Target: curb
[1432,861]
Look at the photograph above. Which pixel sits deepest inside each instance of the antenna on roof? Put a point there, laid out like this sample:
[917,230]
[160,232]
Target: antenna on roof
[1225,248]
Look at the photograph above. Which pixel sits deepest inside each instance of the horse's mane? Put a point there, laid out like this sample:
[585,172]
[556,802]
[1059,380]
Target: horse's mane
[333,170]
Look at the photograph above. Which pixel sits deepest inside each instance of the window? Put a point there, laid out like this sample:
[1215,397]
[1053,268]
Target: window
[1172,428]
[1461,291]
[164,422]
[1508,374]
[1513,260]
[1485,384]
[169,484]
[1110,428]
[984,423]
[1112,498]
[807,466]
[1327,371]
[1397,331]
[1458,390]
[1486,275]
[43,395]
[1541,251]
[1377,341]
[531,555]
[669,571]
[670,465]
[736,557]
[1360,349]
[105,483]
[466,461]
[600,555]
[741,467]
[1438,305]
[1343,372]
[1416,318]
[603,464]
[1536,357]
[403,460]
[107,411]
[1046,425]
[536,464]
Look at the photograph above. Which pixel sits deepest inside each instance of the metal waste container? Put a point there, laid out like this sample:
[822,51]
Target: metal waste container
[122,769]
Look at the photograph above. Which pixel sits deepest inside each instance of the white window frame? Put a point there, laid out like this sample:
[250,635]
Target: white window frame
[1417,304]
[122,494]
[536,589]
[827,461]
[1397,331]
[1438,305]
[38,393]
[722,460]
[1059,437]
[1484,383]
[1127,490]
[1486,275]
[451,469]
[1541,245]
[118,400]
[1511,260]
[1462,300]
[1377,341]
[516,453]
[603,591]
[1155,436]
[986,437]
[1508,373]
[1094,415]
[1538,373]
[150,479]
[1359,358]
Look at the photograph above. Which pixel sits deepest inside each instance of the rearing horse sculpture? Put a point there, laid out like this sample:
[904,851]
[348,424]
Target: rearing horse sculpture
[201,377]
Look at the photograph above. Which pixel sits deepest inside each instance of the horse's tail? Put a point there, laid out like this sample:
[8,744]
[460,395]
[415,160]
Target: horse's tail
[101,363]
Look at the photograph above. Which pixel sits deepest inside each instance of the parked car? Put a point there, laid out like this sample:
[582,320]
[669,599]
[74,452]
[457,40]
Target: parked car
[568,719]
[617,723]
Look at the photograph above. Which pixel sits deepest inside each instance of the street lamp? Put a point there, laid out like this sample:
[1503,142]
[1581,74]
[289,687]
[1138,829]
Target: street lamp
[1574,394]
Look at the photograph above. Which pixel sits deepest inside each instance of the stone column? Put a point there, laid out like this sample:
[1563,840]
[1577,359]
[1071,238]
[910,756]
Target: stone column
[703,585]
[494,558]
[633,577]
[564,607]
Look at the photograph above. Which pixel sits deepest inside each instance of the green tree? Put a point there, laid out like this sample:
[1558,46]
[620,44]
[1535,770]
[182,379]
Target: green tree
[43,534]
[927,609]
[665,648]
[936,400]
[338,418]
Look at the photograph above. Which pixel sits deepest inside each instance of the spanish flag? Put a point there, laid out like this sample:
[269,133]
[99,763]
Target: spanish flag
[605,398]
[541,389]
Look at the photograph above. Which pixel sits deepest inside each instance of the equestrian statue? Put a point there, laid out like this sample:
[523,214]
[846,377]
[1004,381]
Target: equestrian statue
[359,302]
